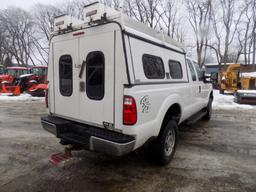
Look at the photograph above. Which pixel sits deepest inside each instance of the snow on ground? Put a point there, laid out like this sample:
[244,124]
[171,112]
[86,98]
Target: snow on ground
[219,102]
[246,91]
[251,74]
[227,102]
[22,97]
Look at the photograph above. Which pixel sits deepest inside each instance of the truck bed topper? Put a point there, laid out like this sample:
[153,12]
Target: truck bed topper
[97,13]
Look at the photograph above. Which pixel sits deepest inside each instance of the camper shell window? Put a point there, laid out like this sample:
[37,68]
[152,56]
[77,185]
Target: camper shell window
[153,67]
[66,75]
[175,69]
[95,75]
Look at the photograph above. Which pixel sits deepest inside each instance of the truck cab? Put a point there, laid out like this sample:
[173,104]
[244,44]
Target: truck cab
[40,72]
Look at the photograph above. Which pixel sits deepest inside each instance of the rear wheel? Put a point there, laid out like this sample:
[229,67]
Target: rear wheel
[165,145]
[238,99]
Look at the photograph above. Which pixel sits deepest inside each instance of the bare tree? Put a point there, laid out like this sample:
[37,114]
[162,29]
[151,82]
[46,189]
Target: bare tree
[135,10]
[248,20]
[74,8]
[199,18]
[169,17]
[225,20]
[2,50]
[152,12]
[17,26]
[180,32]
[245,31]
[44,17]
[116,4]
[254,34]
[240,45]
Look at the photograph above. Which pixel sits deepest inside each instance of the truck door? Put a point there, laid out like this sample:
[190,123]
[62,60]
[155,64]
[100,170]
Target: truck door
[195,87]
[204,87]
[65,89]
[96,97]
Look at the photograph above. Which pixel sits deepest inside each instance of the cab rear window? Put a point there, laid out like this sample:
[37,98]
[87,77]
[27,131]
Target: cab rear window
[175,69]
[192,71]
[200,72]
[153,67]
[66,75]
[95,75]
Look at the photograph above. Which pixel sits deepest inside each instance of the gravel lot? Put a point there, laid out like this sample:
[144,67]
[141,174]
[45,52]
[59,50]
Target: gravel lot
[219,155]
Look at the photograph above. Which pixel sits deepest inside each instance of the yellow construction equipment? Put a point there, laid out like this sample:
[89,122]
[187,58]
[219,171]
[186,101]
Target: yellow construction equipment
[228,80]
[247,89]
[247,81]
[234,78]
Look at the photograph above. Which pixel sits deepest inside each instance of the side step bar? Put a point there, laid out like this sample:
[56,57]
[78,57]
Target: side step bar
[194,118]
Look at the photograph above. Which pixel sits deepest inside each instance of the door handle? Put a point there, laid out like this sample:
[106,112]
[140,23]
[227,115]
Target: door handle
[200,88]
[82,69]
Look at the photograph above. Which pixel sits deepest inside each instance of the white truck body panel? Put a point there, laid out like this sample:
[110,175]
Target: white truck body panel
[65,106]
[123,43]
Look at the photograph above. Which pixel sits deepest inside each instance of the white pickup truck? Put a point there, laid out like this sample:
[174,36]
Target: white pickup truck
[115,85]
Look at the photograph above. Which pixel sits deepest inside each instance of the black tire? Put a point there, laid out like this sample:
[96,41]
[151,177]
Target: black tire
[238,99]
[162,151]
[208,114]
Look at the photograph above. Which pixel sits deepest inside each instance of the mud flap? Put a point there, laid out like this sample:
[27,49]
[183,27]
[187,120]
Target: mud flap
[57,158]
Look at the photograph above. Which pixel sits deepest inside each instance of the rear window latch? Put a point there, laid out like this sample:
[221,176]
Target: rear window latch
[82,86]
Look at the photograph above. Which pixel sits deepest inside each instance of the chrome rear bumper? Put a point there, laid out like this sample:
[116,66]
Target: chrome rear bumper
[90,138]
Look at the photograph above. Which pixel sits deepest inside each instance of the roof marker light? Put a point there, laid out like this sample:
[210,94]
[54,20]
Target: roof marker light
[78,33]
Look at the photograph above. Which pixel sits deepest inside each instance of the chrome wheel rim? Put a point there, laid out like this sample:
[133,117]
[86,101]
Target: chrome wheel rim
[169,142]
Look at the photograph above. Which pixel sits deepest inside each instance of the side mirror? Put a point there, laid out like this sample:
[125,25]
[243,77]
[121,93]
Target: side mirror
[207,78]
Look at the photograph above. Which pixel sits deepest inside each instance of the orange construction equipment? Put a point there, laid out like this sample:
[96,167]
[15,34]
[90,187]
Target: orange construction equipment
[37,90]
[9,90]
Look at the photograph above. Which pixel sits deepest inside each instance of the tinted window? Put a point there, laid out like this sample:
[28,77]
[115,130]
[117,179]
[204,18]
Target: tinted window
[192,70]
[95,75]
[39,71]
[200,72]
[175,69]
[17,72]
[153,67]
[66,75]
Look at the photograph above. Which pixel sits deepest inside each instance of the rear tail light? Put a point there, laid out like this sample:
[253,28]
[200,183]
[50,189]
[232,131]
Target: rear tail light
[129,111]
[46,98]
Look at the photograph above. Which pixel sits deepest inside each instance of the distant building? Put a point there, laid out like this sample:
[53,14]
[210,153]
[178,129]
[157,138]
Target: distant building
[213,67]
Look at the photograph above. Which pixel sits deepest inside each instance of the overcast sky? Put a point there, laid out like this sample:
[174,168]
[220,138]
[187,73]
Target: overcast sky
[26,4]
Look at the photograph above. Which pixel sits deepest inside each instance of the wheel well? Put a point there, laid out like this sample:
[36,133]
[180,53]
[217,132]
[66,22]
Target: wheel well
[174,112]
